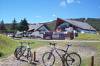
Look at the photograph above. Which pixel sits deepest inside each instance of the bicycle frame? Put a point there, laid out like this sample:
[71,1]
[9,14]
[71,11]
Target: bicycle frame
[27,48]
[62,57]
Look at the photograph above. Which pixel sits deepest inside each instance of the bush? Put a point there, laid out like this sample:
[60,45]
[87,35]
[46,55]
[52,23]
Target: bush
[1,54]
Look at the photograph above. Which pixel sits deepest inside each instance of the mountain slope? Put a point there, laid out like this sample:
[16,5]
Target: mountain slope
[51,25]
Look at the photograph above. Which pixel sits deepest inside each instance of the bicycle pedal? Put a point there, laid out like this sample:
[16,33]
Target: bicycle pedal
[36,61]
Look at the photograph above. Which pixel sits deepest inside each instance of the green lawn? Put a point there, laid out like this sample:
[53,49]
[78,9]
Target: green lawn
[88,37]
[7,45]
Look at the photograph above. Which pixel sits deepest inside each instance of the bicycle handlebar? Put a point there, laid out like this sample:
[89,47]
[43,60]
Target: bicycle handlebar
[52,44]
[56,43]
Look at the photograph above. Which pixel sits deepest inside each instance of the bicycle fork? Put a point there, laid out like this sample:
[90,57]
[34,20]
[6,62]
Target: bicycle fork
[63,60]
[49,55]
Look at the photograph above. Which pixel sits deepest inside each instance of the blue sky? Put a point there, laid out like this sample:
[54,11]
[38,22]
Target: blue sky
[47,10]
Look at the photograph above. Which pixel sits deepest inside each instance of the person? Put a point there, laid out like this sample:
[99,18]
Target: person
[75,33]
[70,32]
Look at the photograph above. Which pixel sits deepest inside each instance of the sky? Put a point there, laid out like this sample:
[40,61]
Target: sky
[36,11]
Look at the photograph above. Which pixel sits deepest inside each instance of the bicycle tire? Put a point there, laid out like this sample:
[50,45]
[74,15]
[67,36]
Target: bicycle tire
[70,58]
[29,56]
[19,51]
[49,57]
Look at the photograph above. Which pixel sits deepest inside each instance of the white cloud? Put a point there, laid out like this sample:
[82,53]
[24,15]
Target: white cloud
[70,1]
[78,1]
[38,16]
[50,20]
[63,3]
[73,1]
[54,15]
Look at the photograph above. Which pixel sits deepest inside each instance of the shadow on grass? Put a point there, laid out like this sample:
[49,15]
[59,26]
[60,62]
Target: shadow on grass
[1,54]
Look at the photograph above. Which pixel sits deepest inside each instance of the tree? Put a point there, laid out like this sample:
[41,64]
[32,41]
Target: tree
[14,25]
[2,27]
[23,25]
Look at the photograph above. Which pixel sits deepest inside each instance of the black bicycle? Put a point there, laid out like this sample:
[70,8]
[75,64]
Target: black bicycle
[67,59]
[24,51]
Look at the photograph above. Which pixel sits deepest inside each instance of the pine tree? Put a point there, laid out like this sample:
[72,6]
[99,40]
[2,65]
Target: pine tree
[2,27]
[23,25]
[14,25]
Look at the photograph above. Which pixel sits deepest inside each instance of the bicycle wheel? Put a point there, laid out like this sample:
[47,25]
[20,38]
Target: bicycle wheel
[19,51]
[48,59]
[29,56]
[73,59]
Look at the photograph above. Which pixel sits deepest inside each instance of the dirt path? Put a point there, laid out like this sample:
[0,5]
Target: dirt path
[84,52]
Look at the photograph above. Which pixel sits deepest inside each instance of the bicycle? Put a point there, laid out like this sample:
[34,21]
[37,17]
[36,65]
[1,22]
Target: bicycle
[69,59]
[24,51]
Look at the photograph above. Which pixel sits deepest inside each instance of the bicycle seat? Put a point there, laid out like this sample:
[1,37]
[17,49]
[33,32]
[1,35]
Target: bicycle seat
[52,44]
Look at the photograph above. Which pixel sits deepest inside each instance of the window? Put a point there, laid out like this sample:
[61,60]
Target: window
[64,25]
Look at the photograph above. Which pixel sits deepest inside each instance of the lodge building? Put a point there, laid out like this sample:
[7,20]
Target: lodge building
[43,31]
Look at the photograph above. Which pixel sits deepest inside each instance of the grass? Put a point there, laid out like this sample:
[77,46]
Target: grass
[7,45]
[86,62]
[88,37]
[35,43]
[97,56]
[96,45]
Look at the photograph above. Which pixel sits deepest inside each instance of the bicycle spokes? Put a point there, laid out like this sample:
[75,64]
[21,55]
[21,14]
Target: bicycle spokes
[73,59]
[48,59]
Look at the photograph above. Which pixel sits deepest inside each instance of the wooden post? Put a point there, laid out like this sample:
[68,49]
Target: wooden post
[92,61]
[35,57]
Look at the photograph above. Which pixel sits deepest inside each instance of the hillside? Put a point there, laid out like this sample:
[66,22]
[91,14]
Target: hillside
[94,22]
[7,45]
[51,25]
